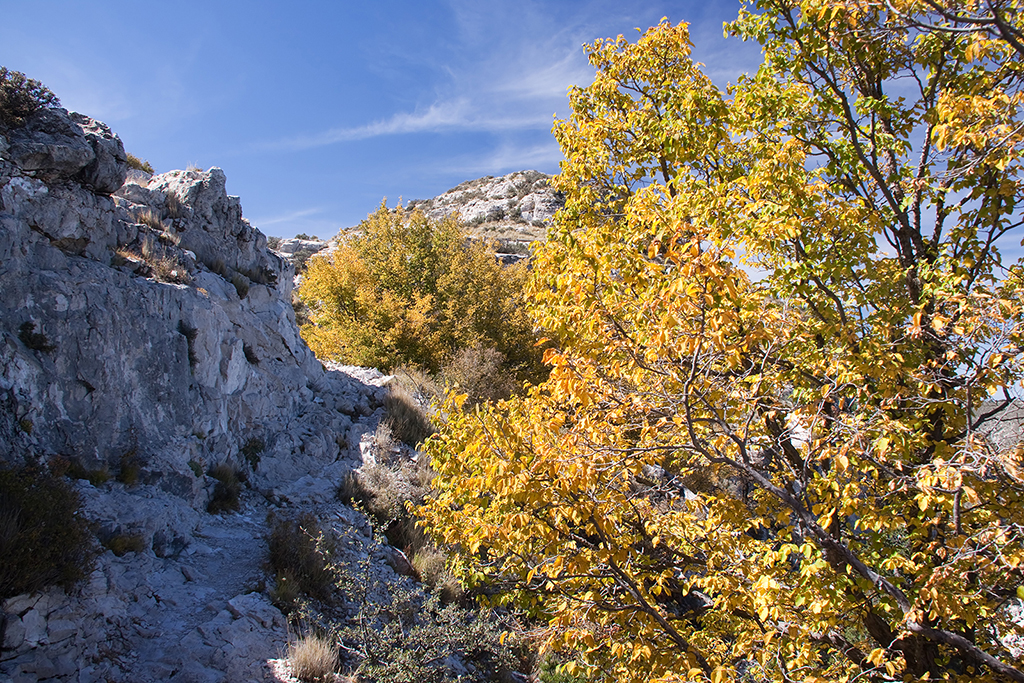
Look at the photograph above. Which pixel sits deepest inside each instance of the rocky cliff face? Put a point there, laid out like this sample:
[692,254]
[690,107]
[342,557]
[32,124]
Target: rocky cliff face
[145,324]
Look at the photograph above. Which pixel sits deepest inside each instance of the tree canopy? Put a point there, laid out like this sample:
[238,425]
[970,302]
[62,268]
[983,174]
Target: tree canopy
[783,321]
[406,289]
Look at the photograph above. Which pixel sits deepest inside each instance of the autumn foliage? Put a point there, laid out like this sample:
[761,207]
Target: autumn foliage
[411,290]
[784,319]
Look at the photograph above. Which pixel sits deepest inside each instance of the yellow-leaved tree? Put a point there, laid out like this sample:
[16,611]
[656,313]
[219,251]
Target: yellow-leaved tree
[787,330]
[407,289]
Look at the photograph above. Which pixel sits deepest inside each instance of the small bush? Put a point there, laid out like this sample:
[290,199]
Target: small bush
[273,243]
[147,217]
[130,468]
[138,164]
[196,468]
[383,489]
[407,420]
[172,205]
[418,383]
[96,476]
[43,539]
[122,544]
[480,372]
[299,559]
[312,658]
[383,442]
[20,97]
[226,491]
[241,284]
[300,258]
[252,450]
[36,341]
[25,425]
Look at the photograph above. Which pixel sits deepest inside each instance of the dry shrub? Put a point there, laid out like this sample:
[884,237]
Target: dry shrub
[170,269]
[383,441]
[430,564]
[122,544]
[312,658]
[299,559]
[480,372]
[226,491]
[406,418]
[172,205]
[420,384]
[43,539]
[147,217]
[241,284]
[383,489]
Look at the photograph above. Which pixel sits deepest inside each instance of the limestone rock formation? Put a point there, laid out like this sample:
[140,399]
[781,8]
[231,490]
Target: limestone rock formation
[518,207]
[153,330]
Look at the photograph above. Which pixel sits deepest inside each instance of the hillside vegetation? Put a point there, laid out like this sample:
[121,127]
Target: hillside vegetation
[782,322]
[410,290]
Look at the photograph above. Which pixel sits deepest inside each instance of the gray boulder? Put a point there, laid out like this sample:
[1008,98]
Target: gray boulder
[51,145]
[107,171]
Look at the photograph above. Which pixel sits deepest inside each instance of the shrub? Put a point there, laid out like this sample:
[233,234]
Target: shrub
[44,540]
[479,372]
[428,647]
[241,284]
[406,418]
[138,164]
[147,217]
[411,290]
[226,491]
[172,205]
[312,658]
[130,468]
[298,557]
[20,97]
[383,489]
[253,449]
[273,243]
[122,544]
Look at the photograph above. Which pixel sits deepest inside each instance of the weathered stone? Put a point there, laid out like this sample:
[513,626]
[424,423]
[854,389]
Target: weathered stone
[35,628]
[20,604]
[14,636]
[106,172]
[51,144]
[58,630]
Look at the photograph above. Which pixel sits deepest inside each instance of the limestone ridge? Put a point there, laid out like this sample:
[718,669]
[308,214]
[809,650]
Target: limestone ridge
[519,206]
[174,372]
[147,321]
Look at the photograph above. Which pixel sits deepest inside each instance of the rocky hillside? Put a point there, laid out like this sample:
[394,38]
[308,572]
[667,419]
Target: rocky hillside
[147,347]
[517,207]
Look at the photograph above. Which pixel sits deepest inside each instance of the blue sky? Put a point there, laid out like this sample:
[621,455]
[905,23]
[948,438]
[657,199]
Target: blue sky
[318,110]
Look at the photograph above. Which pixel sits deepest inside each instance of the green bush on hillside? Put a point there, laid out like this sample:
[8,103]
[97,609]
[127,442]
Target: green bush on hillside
[20,97]
[44,541]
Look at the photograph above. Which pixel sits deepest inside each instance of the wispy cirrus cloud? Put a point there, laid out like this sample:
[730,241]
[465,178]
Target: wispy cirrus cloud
[289,217]
[451,115]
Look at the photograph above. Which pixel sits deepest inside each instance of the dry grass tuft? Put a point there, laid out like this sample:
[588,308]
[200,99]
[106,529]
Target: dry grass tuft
[147,217]
[313,658]
[480,372]
[407,420]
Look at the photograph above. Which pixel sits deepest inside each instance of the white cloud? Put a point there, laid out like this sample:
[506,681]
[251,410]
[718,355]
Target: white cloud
[290,217]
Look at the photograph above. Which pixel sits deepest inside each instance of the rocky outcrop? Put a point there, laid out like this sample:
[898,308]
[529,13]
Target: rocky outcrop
[144,325]
[517,206]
